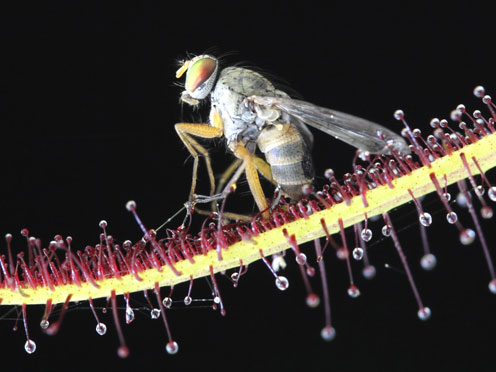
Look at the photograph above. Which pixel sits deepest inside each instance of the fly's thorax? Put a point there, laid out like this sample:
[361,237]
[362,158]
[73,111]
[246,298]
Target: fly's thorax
[289,157]
[229,95]
[245,82]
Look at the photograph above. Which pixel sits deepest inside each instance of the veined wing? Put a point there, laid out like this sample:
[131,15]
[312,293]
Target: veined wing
[360,133]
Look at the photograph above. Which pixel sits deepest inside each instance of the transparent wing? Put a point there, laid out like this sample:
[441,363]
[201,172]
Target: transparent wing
[360,133]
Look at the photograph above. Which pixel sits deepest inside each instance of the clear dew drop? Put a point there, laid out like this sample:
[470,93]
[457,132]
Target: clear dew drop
[234,277]
[44,324]
[399,114]
[172,347]
[188,300]
[129,315]
[486,212]
[167,302]
[217,299]
[480,190]
[328,333]
[357,253]
[329,173]
[492,193]
[301,259]
[312,300]
[369,272]
[30,346]
[366,235]
[492,286]
[131,205]
[467,236]
[101,329]
[155,313]
[425,219]
[353,291]
[386,230]
[452,217]
[424,313]
[282,283]
[447,196]
[479,91]
[428,261]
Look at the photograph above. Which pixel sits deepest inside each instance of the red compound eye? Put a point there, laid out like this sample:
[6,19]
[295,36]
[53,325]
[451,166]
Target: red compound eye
[199,72]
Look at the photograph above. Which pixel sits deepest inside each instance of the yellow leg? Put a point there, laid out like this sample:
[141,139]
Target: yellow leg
[227,174]
[261,165]
[252,176]
[264,169]
[223,179]
[227,215]
[185,132]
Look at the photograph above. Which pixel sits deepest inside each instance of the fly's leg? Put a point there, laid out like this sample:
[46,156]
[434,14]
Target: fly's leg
[251,165]
[264,169]
[227,174]
[185,132]
[262,166]
[225,192]
[252,176]
[225,215]
[247,166]
[224,178]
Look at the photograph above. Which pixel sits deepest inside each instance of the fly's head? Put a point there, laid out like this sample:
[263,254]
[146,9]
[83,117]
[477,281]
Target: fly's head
[201,73]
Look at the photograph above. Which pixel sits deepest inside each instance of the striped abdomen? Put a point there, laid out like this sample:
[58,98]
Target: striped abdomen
[288,156]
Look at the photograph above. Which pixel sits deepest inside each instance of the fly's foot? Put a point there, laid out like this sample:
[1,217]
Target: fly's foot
[190,205]
[200,199]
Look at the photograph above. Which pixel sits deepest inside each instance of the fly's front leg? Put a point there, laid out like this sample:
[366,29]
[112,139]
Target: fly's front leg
[185,131]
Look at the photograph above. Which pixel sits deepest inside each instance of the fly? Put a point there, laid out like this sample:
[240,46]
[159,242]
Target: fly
[265,129]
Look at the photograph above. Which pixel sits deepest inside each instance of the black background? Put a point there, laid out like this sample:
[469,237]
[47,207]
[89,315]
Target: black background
[87,108]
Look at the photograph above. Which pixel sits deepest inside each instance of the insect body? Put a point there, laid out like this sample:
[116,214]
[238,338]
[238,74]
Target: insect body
[251,113]
[286,149]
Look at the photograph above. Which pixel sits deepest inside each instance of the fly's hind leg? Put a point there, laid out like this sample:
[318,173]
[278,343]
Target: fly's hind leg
[251,172]
[264,170]
[222,181]
[262,167]
[227,174]
[251,165]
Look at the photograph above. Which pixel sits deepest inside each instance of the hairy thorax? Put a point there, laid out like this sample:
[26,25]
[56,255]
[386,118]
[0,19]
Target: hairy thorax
[235,84]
